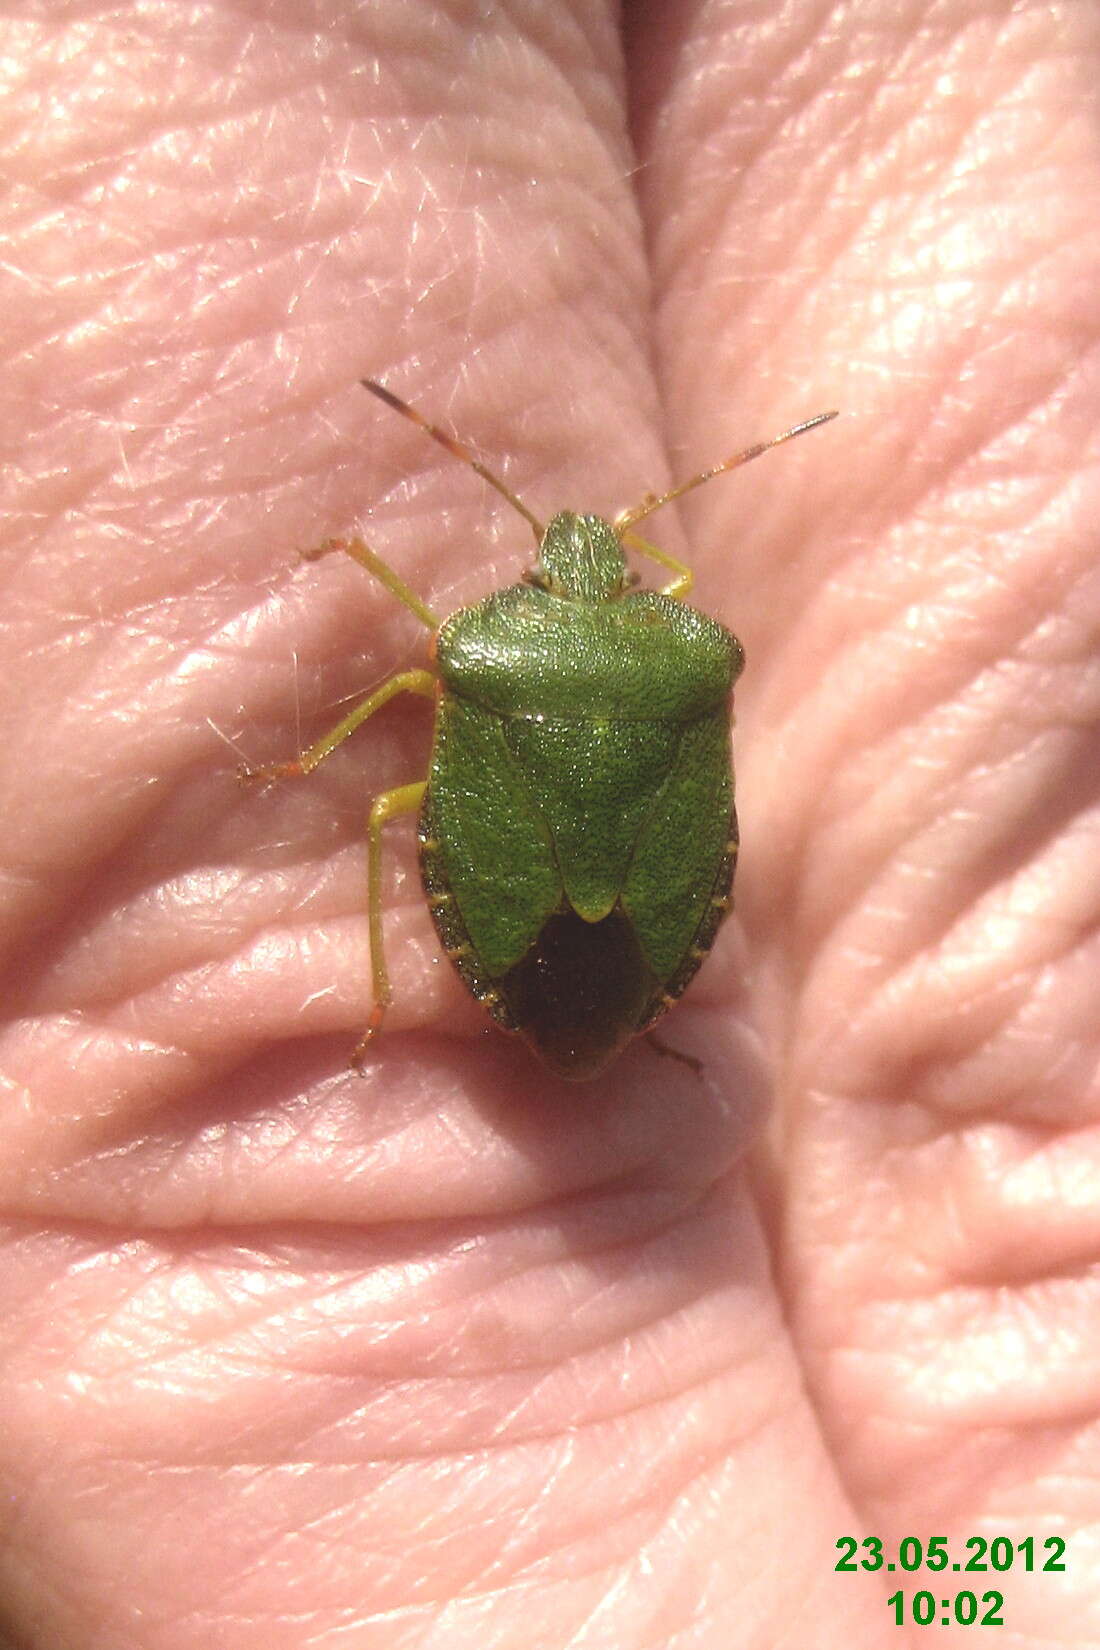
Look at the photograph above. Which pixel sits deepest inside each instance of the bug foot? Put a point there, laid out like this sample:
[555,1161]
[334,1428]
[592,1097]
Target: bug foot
[327,547]
[273,770]
[358,1061]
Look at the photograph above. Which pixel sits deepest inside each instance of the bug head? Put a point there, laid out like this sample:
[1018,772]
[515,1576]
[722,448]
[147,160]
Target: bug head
[581,558]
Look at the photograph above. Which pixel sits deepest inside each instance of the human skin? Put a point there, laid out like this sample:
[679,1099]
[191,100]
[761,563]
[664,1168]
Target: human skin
[451,1353]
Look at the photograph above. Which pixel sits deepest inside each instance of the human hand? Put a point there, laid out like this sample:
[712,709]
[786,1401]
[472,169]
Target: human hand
[454,1353]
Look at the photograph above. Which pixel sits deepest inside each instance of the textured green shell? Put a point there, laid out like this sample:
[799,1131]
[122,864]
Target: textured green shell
[577,838]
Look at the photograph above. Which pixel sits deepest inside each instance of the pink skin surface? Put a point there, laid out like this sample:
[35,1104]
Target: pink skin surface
[454,1355]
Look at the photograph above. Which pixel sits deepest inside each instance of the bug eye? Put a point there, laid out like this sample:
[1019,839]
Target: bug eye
[536,576]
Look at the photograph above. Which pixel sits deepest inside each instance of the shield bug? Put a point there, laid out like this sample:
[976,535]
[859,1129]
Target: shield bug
[577,835]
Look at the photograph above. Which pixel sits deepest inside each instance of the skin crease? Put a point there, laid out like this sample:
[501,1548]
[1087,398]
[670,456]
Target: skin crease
[455,1354]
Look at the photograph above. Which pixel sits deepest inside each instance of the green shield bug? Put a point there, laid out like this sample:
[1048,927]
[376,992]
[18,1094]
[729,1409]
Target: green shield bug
[576,829]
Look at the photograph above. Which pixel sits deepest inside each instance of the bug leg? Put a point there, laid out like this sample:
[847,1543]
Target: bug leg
[669,1053]
[680,586]
[360,551]
[405,799]
[406,681]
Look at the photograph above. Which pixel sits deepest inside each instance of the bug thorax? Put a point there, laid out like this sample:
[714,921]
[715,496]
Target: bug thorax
[581,558]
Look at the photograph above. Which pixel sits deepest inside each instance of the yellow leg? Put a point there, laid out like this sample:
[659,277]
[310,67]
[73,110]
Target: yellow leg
[678,587]
[405,799]
[365,556]
[406,681]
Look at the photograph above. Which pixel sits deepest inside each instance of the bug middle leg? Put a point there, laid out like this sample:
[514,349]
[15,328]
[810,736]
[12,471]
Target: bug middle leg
[404,799]
[406,681]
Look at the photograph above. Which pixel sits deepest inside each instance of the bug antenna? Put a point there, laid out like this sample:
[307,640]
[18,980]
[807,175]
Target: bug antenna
[455,448]
[651,502]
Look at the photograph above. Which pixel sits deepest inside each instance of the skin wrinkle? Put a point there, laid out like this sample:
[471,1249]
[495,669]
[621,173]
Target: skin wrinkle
[951,689]
[403,1392]
[1015,854]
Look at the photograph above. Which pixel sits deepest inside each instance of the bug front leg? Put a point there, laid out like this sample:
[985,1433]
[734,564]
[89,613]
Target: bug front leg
[680,586]
[405,799]
[406,681]
[360,551]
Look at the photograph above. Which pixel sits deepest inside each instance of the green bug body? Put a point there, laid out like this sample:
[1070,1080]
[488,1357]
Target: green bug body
[577,835]
[577,832]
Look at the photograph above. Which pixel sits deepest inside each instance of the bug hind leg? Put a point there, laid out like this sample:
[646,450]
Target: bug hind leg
[659,1046]
[404,799]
